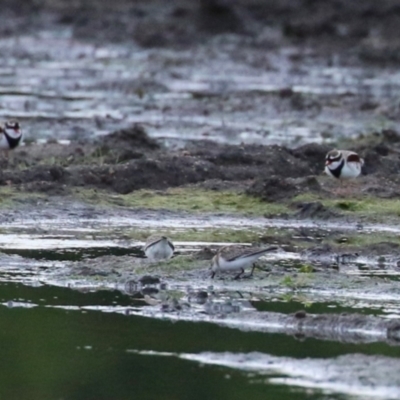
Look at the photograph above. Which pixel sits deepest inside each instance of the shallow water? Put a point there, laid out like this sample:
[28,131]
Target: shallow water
[110,336]
[60,342]
[63,88]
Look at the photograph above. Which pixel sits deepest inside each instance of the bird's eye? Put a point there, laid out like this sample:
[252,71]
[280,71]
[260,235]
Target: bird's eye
[12,125]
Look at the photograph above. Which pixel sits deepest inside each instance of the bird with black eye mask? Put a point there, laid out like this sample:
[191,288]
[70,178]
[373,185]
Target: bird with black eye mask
[343,164]
[12,135]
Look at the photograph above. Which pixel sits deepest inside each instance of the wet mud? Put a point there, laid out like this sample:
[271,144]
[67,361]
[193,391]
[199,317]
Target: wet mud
[129,160]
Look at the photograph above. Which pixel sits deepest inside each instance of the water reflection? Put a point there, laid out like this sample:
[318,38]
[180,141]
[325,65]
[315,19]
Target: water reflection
[54,352]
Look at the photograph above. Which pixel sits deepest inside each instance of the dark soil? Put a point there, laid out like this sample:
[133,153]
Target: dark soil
[129,160]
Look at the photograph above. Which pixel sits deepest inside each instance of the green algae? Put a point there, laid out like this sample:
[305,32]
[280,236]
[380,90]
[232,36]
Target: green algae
[202,235]
[368,207]
[198,200]
[10,196]
[186,199]
[181,263]
[202,200]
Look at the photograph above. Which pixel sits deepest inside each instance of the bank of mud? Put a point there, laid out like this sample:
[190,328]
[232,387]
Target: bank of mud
[128,160]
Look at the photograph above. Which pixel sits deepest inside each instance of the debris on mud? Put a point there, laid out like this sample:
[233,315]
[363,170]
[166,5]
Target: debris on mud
[125,144]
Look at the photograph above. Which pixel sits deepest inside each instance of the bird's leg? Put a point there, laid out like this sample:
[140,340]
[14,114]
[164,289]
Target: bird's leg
[340,191]
[10,158]
[347,187]
[212,274]
[5,161]
[252,269]
[239,274]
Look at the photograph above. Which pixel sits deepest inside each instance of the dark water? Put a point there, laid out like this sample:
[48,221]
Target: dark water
[58,350]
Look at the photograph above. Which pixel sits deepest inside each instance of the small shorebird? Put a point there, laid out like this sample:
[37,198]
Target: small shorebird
[233,258]
[158,248]
[343,164]
[11,135]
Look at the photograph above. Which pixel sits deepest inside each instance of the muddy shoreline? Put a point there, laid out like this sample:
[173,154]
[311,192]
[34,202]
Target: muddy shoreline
[128,160]
[250,146]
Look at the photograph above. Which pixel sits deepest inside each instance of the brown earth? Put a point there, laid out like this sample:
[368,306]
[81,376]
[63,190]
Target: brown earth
[128,160]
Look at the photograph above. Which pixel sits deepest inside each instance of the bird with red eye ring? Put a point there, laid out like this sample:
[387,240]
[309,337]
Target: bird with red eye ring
[11,135]
[343,164]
